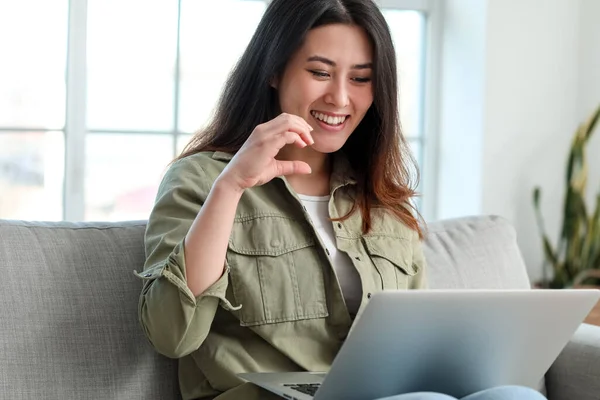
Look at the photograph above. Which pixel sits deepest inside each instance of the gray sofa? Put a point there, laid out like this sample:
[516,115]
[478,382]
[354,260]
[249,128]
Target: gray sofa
[69,326]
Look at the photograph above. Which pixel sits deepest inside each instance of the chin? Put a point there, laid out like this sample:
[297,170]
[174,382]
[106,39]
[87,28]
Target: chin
[327,148]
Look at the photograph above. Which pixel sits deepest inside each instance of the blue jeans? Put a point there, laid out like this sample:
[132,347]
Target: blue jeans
[498,393]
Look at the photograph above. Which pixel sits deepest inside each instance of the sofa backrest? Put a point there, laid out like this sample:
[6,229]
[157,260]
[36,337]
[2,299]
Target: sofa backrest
[474,252]
[69,325]
[69,318]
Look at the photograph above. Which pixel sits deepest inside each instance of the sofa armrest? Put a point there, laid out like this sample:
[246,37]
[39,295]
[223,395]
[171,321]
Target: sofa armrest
[576,372]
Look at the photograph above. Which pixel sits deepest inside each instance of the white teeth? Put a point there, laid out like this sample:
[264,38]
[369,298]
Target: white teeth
[328,119]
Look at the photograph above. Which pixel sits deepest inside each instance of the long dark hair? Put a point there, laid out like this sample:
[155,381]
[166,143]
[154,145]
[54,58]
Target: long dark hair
[377,150]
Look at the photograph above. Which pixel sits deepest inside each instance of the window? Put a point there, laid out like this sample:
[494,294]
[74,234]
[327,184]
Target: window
[94,146]
[32,108]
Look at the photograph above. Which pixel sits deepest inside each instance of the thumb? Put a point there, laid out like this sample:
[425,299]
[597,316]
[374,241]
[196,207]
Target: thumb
[292,167]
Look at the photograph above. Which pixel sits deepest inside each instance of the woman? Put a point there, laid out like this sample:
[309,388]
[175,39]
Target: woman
[245,269]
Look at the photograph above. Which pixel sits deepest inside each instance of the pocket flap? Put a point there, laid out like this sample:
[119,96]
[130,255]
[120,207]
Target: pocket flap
[269,236]
[397,251]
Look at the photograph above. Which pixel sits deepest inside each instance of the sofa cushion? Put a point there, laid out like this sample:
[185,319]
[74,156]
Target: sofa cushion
[69,315]
[474,252]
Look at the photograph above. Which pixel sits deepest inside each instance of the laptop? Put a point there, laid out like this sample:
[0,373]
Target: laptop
[455,342]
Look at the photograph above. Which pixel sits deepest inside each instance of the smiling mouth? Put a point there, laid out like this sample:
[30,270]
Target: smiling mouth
[328,119]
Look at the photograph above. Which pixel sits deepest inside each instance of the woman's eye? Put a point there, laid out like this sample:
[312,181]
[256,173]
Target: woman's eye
[319,74]
[362,80]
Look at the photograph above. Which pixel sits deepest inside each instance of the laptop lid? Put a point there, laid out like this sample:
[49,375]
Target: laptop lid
[455,342]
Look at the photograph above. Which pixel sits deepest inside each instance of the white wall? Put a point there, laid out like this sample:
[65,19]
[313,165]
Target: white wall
[461,108]
[589,84]
[517,94]
[531,103]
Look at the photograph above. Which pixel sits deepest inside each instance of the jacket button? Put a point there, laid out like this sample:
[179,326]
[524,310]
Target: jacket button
[368,295]
[339,225]
[147,275]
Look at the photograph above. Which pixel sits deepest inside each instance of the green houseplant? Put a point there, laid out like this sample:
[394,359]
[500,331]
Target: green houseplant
[575,260]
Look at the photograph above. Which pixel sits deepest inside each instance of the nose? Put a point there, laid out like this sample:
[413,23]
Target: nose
[337,94]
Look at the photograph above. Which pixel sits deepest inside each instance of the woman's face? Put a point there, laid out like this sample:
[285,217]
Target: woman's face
[328,83]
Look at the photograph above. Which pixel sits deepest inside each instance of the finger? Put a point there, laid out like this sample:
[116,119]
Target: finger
[292,168]
[296,124]
[307,135]
[294,117]
[305,122]
[290,137]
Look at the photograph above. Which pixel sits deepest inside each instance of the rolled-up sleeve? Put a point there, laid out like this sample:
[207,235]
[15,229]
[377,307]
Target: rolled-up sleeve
[176,322]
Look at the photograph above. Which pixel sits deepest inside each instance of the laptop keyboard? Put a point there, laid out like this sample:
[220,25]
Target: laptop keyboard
[306,388]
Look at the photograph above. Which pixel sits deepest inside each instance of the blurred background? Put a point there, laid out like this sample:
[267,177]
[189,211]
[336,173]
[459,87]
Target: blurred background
[124,84]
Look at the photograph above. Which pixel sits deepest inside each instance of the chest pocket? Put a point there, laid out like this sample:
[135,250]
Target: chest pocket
[392,258]
[275,271]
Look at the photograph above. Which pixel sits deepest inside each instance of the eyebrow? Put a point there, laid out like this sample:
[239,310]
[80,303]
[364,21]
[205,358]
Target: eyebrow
[333,64]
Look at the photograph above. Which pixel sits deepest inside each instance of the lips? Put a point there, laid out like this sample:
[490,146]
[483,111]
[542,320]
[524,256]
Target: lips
[329,119]
[330,123]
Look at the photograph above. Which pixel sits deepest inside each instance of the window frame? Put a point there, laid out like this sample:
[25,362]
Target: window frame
[429,124]
[75,129]
[429,139]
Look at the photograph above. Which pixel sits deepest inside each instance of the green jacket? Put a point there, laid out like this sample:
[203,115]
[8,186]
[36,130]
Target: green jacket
[278,306]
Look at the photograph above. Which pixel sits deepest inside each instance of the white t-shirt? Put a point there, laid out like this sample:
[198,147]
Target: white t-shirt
[317,208]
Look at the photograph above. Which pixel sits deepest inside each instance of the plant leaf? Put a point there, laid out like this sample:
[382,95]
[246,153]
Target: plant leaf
[593,236]
[590,124]
[578,250]
[536,197]
[550,254]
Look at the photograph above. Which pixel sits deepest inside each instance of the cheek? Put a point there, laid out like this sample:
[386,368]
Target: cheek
[310,92]
[363,100]
[299,94]
[361,94]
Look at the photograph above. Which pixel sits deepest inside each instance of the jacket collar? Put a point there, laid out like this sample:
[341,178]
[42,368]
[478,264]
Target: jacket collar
[222,156]
[342,173]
